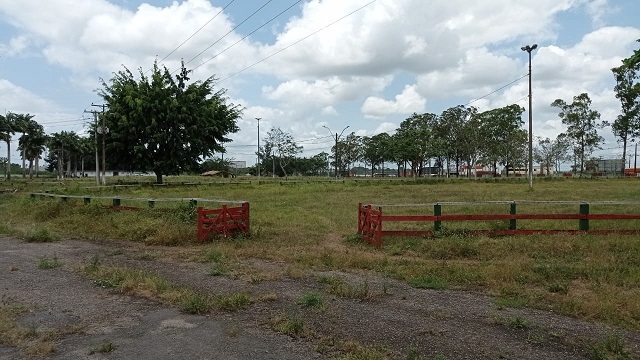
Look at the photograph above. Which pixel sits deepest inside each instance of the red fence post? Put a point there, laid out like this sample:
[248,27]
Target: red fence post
[246,218]
[201,234]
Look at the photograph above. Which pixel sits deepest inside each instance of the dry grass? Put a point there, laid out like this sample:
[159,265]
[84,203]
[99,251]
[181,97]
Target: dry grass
[310,226]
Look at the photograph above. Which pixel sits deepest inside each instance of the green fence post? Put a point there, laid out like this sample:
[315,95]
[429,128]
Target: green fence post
[584,223]
[437,211]
[116,202]
[193,203]
[512,211]
[152,203]
[87,200]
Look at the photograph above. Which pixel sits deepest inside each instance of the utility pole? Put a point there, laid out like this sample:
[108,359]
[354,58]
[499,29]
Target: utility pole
[635,160]
[529,49]
[337,151]
[95,122]
[258,162]
[104,131]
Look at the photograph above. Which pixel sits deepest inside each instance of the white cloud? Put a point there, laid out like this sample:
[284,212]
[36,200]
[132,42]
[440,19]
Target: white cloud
[16,46]
[407,102]
[329,110]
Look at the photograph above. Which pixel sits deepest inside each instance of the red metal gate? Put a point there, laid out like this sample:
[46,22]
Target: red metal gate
[226,221]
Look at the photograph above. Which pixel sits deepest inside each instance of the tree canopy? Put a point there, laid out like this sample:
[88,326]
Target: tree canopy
[162,124]
[582,126]
[627,125]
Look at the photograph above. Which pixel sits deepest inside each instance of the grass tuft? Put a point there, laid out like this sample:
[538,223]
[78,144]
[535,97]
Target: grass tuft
[611,348]
[49,263]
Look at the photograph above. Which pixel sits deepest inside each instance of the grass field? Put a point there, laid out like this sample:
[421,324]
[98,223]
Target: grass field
[311,225]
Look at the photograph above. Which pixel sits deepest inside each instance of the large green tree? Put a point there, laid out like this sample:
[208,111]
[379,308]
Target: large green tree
[627,124]
[165,124]
[582,126]
[502,135]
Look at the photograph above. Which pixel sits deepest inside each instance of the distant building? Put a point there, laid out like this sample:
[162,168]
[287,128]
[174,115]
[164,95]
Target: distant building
[238,164]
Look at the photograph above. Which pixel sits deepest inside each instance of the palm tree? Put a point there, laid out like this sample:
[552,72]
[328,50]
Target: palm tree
[57,144]
[32,144]
[9,125]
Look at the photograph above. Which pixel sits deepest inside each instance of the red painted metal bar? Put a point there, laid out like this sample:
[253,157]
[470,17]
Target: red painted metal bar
[370,223]
[226,221]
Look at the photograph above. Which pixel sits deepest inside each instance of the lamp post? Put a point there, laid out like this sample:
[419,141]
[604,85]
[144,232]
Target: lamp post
[529,49]
[258,162]
[337,151]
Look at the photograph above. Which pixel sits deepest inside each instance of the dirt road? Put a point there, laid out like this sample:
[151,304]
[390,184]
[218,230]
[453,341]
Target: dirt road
[61,314]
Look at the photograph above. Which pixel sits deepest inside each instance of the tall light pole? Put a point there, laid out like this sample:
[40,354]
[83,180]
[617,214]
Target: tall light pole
[337,151]
[258,162]
[529,49]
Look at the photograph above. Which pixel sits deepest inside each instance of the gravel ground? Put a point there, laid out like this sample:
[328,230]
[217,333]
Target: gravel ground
[376,318]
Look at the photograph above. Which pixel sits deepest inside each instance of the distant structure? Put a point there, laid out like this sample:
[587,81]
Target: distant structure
[238,164]
[610,166]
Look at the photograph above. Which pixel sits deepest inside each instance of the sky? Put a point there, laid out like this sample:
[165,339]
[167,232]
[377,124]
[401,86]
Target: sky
[309,65]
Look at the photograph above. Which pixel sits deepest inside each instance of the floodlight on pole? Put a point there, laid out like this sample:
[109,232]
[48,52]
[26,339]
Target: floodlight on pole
[529,49]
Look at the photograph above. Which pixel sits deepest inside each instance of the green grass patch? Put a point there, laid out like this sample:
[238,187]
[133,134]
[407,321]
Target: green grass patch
[49,263]
[146,284]
[611,348]
[103,348]
[311,300]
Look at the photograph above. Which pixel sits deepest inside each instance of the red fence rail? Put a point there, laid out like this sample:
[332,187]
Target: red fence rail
[371,219]
[226,221]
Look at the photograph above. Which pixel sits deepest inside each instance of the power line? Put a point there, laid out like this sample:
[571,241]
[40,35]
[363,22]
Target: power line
[249,34]
[197,31]
[495,91]
[297,41]
[229,32]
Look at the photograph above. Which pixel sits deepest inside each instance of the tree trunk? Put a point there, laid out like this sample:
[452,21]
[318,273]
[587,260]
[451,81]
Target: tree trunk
[9,158]
[158,176]
[30,168]
[37,165]
[24,166]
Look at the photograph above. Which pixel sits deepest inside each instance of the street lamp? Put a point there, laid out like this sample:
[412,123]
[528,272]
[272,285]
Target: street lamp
[529,49]
[258,162]
[337,151]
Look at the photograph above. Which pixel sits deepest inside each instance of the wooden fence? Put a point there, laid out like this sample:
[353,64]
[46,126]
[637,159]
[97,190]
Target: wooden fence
[371,219]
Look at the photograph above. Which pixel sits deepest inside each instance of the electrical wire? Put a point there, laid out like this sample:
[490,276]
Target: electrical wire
[229,32]
[495,91]
[246,36]
[297,41]
[197,31]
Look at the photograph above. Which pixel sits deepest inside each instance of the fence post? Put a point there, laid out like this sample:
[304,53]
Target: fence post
[116,202]
[193,203]
[152,203]
[512,211]
[201,236]
[437,211]
[87,200]
[584,223]
[247,219]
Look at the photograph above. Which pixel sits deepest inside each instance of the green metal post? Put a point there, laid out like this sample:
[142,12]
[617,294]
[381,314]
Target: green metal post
[116,202]
[512,211]
[437,211]
[193,203]
[152,203]
[87,200]
[584,223]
